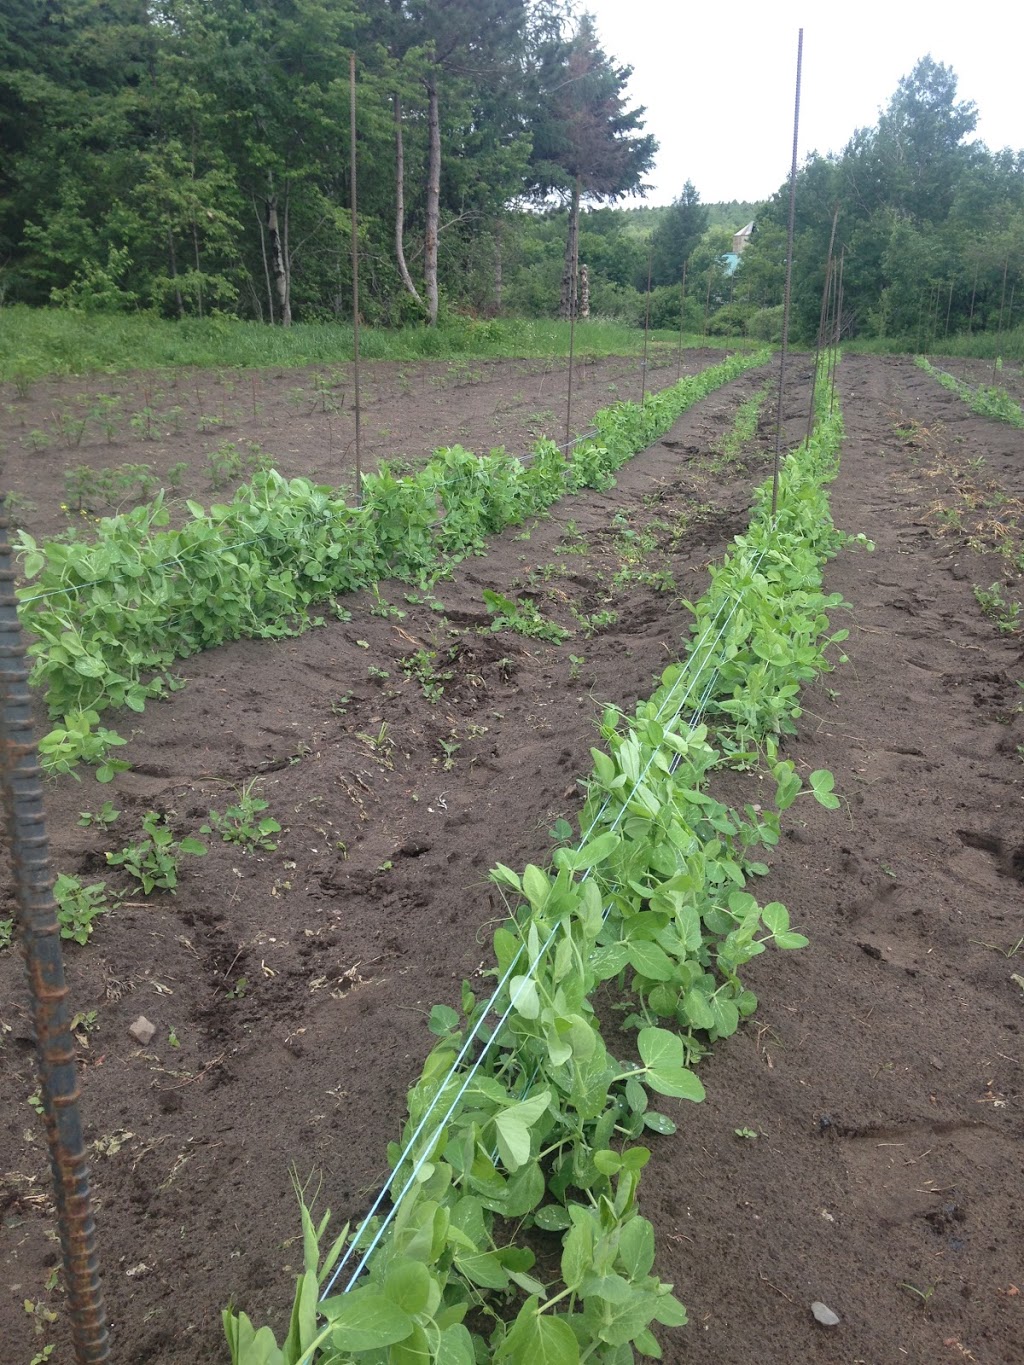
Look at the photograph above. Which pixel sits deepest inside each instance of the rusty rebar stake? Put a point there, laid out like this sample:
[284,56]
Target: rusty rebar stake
[789,277]
[39,940]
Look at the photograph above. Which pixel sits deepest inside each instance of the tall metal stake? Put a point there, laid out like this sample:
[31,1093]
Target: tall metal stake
[572,326]
[821,321]
[789,275]
[39,940]
[837,330]
[647,329]
[999,325]
[682,325]
[355,275]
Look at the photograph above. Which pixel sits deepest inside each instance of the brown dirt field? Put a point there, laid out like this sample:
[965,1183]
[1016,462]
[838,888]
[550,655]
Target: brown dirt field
[1010,377]
[302,419]
[882,1071]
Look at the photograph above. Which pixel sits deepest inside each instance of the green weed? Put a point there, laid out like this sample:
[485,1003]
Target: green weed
[155,859]
[244,822]
[523,617]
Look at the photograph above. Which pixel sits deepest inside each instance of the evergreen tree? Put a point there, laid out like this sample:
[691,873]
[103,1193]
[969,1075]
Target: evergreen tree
[676,235]
[587,145]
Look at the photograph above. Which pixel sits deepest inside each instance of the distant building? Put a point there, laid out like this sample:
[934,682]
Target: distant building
[741,238]
[732,260]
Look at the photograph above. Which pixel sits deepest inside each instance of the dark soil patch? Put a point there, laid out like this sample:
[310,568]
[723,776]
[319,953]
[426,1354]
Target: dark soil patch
[883,1068]
[169,426]
[1008,376]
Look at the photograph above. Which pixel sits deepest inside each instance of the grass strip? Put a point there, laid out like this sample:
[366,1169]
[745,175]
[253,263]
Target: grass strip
[35,342]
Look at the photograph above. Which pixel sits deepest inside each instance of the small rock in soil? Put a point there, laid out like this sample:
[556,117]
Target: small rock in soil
[414,847]
[824,1314]
[142,1030]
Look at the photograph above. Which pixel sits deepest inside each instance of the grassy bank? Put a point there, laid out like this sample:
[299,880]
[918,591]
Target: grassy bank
[979,345]
[40,341]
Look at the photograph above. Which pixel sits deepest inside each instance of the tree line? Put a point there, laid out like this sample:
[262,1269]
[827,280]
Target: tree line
[193,158]
[190,157]
[929,227]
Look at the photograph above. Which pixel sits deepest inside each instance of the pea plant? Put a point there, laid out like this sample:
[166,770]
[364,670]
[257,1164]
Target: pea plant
[522,1117]
[244,822]
[111,617]
[155,859]
[990,400]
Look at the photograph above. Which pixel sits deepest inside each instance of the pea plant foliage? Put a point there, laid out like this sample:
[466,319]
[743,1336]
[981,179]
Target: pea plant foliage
[111,618]
[512,1231]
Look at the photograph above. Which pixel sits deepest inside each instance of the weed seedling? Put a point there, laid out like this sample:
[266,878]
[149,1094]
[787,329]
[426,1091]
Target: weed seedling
[381,744]
[421,666]
[450,747]
[598,620]
[105,816]
[523,617]
[153,861]
[244,823]
[1005,615]
[922,1295]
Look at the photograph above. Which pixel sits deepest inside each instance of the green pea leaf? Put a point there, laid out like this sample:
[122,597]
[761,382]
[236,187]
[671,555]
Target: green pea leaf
[442,1020]
[539,1339]
[455,1346]
[659,1123]
[513,1126]
[650,960]
[636,1247]
[552,1218]
[484,1269]
[822,784]
[790,941]
[365,1320]
[409,1285]
[523,995]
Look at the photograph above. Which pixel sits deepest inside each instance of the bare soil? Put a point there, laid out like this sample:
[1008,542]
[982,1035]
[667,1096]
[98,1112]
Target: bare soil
[882,1072]
[170,427]
[1009,377]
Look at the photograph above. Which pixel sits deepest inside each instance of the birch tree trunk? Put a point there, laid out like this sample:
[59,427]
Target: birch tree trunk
[403,269]
[433,199]
[266,263]
[179,303]
[278,262]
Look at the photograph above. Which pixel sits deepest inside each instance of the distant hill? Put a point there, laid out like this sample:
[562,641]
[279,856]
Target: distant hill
[732,213]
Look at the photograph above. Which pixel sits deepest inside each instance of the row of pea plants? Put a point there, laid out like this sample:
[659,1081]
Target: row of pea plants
[111,617]
[522,1121]
[987,399]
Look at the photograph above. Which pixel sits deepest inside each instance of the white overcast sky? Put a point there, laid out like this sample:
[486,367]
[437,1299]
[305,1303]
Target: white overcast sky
[717,79]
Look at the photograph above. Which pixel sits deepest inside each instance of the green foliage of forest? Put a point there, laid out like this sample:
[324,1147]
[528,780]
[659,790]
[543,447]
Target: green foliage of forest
[194,159]
[192,162]
[930,229]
